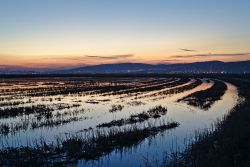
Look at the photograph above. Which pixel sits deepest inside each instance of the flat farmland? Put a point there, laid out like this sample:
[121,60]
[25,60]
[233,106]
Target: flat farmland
[106,121]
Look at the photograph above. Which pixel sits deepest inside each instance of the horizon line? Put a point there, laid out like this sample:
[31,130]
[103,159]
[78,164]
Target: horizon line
[5,66]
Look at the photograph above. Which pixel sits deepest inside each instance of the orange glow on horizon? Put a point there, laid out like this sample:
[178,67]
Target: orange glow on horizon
[55,61]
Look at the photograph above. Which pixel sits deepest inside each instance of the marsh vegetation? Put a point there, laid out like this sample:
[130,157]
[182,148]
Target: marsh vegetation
[59,121]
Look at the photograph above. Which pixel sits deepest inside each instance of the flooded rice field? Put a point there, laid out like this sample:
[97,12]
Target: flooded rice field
[106,121]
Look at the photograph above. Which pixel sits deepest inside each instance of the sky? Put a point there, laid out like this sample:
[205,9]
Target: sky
[67,33]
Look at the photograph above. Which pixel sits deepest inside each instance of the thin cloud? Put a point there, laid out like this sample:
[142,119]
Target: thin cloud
[186,56]
[88,57]
[110,57]
[170,60]
[187,50]
[212,55]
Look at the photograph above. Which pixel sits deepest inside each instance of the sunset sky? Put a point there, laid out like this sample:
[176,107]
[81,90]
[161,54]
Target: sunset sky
[61,33]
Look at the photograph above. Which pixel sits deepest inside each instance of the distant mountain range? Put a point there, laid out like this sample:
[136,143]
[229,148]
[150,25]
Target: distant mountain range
[197,67]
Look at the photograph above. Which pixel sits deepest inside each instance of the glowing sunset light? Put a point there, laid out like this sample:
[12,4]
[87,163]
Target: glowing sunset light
[74,33]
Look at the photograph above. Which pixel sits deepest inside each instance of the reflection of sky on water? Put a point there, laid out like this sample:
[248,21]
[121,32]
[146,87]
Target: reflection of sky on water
[190,119]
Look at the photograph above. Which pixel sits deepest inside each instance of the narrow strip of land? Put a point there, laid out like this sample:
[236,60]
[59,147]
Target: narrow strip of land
[73,148]
[205,98]
[155,112]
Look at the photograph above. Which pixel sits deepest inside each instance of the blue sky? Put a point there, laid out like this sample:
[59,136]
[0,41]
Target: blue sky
[151,30]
